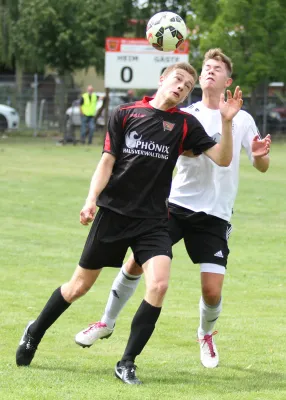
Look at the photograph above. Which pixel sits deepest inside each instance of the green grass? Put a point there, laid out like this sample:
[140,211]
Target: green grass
[43,187]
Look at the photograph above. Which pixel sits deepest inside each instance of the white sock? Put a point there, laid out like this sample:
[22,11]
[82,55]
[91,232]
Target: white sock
[122,289]
[208,317]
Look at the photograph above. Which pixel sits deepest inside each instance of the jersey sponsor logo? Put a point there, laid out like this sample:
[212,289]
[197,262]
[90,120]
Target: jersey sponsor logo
[168,126]
[132,139]
[134,145]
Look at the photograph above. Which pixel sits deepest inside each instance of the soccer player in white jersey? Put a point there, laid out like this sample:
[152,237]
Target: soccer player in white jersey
[200,204]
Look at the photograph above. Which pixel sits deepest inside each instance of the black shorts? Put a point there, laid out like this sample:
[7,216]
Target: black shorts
[112,234]
[205,236]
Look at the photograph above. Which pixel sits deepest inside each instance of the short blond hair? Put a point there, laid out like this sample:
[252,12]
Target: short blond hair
[182,65]
[217,54]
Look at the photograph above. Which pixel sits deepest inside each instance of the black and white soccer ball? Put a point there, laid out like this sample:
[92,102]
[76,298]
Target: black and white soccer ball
[166,31]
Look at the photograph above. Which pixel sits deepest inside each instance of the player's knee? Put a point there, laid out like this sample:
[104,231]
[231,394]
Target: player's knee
[159,288]
[81,290]
[211,295]
[72,292]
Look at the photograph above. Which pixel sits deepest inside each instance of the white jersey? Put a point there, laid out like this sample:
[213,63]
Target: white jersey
[200,184]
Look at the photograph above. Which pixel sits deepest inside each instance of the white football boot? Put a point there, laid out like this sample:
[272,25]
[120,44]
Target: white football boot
[209,353]
[95,331]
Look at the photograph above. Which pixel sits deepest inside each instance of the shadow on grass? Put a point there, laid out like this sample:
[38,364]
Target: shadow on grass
[221,380]
[227,381]
[99,371]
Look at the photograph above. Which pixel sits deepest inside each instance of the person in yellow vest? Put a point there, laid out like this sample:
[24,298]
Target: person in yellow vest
[87,110]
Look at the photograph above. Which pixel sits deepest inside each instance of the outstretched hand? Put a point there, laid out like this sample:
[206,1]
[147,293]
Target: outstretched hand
[260,147]
[232,105]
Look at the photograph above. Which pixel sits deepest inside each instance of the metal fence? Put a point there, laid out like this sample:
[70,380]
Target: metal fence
[42,103]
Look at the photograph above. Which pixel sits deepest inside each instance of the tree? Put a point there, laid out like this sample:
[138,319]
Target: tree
[143,11]
[252,32]
[9,14]
[67,35]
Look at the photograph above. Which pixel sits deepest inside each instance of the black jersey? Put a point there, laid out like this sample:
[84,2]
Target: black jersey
[147,143]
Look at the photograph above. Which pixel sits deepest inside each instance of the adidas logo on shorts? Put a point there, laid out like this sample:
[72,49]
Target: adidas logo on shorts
[219,254]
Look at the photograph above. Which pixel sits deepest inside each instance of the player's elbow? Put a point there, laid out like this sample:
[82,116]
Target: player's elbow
[224,162]
[220,155]
[226,158]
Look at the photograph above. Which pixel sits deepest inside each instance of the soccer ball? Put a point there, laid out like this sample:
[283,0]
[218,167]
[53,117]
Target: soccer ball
[166,31]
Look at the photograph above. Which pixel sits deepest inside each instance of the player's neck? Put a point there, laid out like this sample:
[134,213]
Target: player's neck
[211,100]
[161,104]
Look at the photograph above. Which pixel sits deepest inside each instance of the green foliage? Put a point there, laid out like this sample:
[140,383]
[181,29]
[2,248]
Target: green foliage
[151,7]
[70,34]
[250,31]
[144,10]
[8,16]
[67,35]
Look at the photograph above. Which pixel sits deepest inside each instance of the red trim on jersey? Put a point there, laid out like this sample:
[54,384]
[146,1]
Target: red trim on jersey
[174,110]
[147,99]
[124,121]
[144,103]
[107,145]
[185,131]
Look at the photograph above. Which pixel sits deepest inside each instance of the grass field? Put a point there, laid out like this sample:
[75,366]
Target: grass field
[43,187]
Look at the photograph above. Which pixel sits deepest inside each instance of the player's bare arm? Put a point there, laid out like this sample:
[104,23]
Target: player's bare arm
[221,153]
[99,180]
[260,151]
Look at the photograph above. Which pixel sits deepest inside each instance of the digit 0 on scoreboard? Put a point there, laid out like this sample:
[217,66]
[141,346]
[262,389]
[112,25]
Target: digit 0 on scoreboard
[126,74]
[134,64]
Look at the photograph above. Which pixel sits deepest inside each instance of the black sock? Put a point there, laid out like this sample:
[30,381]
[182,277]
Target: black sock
[142,327]
[55,306]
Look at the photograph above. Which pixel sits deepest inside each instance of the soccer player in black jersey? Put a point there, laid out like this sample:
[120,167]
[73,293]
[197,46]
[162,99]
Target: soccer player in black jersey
[130,186]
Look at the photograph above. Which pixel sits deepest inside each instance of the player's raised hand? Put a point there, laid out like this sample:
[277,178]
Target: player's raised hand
[233,103]
[87,213]
[260,147]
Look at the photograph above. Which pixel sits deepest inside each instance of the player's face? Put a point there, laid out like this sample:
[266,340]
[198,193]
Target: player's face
[214,75]
[177,85]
